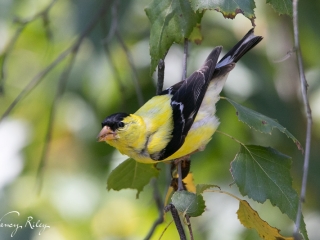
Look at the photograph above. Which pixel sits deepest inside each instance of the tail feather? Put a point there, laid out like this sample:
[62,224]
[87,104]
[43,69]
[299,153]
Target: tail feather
[241,48]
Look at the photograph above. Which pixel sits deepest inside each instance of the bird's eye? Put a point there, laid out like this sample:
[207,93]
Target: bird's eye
[120,124]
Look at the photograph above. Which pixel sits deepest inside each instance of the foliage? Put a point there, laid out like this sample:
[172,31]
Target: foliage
[64,67]
[259,172]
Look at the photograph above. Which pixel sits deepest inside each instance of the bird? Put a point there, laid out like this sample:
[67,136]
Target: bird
[181,119]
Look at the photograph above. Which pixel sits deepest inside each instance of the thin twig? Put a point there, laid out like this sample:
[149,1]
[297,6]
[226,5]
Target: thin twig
[40,76]
[116,74]
[114,22]
[114,31]
[8,49]
[34,82]
[22,24]
[105,43]
[159,203]
[133,68]
[189,227]
[304,89]
[161,68]
[176,219]
[185,59]
[60,90]
[285,57]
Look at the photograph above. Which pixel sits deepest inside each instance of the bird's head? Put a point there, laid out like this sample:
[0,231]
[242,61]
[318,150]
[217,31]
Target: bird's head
[121,128]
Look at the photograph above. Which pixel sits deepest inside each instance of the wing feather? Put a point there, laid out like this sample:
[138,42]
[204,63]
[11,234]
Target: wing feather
[186,101]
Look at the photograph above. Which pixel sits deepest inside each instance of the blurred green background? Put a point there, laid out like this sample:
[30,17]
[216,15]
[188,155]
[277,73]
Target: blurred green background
[73,200]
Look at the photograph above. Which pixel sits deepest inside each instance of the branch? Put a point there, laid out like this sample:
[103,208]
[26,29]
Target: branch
[304,89]
[189,227]
[40,76]
[159,203]
[22,24]
[161,68]
[60,90]
[176,218]
[133,68]
[185,59]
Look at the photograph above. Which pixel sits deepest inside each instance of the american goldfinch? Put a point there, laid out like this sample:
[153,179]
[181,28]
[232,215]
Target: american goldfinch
[179,121]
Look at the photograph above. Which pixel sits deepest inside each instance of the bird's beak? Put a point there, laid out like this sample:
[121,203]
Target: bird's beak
[106,134]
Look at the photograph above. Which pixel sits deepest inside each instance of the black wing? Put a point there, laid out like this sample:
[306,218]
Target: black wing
[186,101]
[241,48]
[188,94]
[225,64]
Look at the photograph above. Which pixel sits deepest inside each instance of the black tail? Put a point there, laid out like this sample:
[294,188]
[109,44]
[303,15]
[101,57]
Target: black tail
[241,48]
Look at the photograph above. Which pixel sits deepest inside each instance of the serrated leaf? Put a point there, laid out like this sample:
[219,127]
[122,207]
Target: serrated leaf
[200,188]
[171,21]
[131,174]
[260,122]
[263,173]
[281,6]
[188,183]
[228,8]
[188,203]
[251,219]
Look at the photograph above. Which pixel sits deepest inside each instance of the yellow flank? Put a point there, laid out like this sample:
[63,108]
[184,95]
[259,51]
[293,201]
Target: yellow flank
[157,115]
[145,134]
[148,130]
[196,139]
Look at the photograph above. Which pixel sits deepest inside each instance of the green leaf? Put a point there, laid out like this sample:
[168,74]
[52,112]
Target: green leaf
[131,174]
[188,203]
[260,122]
[281,6]
[200,188]
[196,35]
[171,21]
[264,173]
[228,8]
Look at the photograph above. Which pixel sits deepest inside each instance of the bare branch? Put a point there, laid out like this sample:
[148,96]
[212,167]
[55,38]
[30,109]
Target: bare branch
[40,76]
[161,68]
[114,23]
[116,74]
[159,203]
[34,82]
[133,68]
[176,219]
[304,89]
[60,90]
[114,31]
[185,58]
[189,227]
[22,24]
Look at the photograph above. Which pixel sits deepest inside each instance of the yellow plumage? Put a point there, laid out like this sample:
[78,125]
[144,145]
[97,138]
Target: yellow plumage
[182,119]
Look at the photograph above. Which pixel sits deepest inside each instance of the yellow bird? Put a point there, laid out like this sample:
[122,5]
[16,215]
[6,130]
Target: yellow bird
[181,120]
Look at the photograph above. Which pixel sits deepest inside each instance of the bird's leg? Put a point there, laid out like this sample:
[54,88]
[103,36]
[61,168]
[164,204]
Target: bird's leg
[180,184]
[178,163]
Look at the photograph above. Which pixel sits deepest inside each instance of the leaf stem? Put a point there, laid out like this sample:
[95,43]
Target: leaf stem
[40,76]
[220,191]
[229,136]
